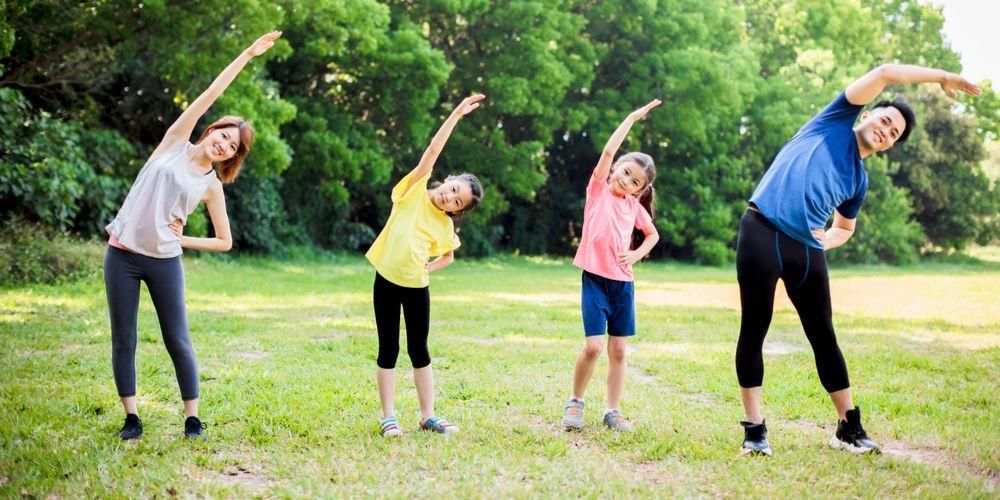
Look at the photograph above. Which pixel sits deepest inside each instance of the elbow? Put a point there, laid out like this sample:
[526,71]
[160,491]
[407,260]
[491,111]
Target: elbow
[226,245]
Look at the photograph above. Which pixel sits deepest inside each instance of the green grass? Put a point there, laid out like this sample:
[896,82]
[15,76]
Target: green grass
[287,354]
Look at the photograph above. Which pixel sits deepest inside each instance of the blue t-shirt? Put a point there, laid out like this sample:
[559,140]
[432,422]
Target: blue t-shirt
[819,170]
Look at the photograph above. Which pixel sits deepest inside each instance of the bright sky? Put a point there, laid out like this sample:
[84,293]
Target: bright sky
[972,28]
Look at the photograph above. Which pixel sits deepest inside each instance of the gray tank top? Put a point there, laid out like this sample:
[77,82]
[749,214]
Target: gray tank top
[167,188]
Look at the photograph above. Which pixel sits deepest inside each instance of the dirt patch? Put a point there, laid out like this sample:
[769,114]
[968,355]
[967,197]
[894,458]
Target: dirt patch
[250,474]
[939,457]
[927,455]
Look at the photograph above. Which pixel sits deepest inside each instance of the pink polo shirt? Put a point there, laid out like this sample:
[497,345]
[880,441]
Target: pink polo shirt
[608,221]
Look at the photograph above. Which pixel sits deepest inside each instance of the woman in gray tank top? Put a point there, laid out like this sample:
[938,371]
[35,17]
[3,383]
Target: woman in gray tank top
[146,238]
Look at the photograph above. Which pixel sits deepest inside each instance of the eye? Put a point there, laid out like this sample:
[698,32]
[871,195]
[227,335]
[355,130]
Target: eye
[626,171]
[232,147]
[454,189]
[458,204]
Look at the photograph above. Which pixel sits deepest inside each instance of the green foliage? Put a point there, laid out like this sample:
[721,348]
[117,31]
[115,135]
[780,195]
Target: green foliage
[941,168]
[886,230]
[59,172]
[347,100]
[34,253]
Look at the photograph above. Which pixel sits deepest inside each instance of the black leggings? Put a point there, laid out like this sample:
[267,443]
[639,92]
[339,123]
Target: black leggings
[763,255]
[165,280]
[416,303]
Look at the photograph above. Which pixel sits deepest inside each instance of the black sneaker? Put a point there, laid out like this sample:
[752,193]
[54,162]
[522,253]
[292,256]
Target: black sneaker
[852,437]
[755,439]
[132,428]
[193,427]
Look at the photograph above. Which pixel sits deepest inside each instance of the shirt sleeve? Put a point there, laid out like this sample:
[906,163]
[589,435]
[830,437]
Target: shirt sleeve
[642,218]
[400,192]
[447,242]
[840,113]
[852,206]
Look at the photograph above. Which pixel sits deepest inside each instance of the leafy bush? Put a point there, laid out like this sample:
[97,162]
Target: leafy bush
[34,253]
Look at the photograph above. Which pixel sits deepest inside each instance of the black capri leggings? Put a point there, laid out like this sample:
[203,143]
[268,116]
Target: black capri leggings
[416,303]
[764,254]
[165,280]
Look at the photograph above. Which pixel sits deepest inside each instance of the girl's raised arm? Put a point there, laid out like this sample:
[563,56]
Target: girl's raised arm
[180,131]
[616,139]
[430,156]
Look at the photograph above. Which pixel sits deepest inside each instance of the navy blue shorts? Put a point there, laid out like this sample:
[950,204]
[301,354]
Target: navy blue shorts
[607,303]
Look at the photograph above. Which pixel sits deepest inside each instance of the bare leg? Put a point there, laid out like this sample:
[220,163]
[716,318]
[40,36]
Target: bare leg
[617,368]
[585,363]
[842,400]
[129,404]
[751,404]
[423,378]
[191,408]
[385,378]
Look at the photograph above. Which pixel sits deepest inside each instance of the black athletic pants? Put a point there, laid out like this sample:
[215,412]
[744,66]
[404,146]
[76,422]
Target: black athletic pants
[764,254]
[123,270]
[416,304]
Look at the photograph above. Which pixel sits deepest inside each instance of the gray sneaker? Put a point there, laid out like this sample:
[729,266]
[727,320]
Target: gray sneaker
[616,422]
[573,416]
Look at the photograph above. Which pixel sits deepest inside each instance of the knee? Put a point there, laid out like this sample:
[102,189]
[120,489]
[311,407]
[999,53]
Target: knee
[616,354]
[420,358]
[387,356]
[592,350]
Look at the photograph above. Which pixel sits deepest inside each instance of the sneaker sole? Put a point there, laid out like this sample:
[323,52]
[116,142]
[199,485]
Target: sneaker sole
[393,434]
[747,451]
[572,427]
[837,444]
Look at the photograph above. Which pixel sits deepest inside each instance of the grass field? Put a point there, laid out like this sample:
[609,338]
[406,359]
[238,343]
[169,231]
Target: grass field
[287,354]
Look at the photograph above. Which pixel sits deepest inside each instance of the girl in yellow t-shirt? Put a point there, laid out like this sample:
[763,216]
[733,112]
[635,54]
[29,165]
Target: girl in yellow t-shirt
[420,226]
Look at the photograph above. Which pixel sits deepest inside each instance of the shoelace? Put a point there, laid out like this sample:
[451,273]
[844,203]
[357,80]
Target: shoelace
[196,425]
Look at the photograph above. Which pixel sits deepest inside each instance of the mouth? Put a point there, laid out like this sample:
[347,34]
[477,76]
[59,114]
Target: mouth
[621,186]
[218,150]
[879,137]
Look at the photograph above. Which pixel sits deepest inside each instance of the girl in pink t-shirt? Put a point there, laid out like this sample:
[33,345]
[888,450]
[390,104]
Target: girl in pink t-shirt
[618,231]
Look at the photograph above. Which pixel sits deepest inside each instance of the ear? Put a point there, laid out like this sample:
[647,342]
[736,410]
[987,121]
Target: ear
[449,178]
[865,115]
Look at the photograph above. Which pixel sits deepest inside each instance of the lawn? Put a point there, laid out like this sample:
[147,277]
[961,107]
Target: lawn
[287,354]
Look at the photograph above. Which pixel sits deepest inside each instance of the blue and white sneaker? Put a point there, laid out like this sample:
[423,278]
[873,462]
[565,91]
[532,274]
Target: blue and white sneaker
[438,425]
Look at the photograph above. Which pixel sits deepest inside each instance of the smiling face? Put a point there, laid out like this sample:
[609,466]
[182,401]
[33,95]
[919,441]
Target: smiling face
[879,128]
[452,196]
[222,144]
[627,178]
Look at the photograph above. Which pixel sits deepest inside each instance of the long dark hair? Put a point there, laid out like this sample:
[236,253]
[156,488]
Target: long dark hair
[647,197]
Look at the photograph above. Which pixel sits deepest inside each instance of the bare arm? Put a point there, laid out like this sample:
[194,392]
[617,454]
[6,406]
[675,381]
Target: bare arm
[633,256]
[865,89]
[215,201]
[840,231]
[441,262]
[180,131]
[616,139]
[430,156]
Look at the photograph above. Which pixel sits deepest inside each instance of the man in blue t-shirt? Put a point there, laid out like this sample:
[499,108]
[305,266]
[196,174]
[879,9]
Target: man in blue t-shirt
[783,235]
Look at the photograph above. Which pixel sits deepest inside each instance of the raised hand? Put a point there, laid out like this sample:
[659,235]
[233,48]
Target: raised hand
[469,104]
[953,82]
[641,112]
[263,43]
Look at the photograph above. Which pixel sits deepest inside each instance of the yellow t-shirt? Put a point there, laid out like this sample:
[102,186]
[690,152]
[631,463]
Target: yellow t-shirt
[415,232]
